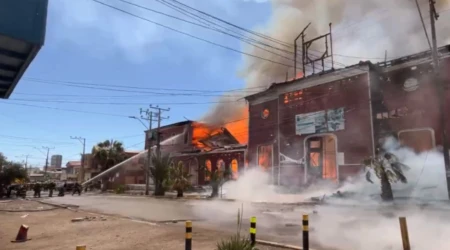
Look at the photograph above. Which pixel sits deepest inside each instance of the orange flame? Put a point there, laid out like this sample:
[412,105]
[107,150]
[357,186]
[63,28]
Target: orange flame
[202,131]
[298,76]
[265,157]
[239,127]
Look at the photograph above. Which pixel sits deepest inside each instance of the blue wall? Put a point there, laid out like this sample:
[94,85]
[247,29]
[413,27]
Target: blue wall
[24,20]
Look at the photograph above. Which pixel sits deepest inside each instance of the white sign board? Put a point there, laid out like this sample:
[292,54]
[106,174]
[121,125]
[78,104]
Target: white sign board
[320,122]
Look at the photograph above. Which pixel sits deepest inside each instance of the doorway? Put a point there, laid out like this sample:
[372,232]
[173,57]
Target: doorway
[321,158]
[193,171]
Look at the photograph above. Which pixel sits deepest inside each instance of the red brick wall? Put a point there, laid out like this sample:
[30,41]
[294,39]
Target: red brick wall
[355,140]
[262,131]
[177,144]
[422,107]
[227,157]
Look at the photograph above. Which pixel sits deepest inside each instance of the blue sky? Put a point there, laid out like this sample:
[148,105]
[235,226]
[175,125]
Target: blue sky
[91,43]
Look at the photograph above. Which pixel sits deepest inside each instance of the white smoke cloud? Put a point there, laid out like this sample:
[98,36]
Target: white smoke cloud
[362,30]
[359,222]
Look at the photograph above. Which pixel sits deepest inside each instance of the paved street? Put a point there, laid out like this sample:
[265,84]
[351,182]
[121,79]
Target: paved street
[216,215]
[340,227]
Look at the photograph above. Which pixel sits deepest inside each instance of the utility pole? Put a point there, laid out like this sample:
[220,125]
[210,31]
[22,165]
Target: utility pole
[158,138]
[26,161]
[83,142]
[148,116]
[46,159]
[441,91]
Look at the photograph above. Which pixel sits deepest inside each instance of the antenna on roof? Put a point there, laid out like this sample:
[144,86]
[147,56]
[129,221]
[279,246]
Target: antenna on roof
[328,39]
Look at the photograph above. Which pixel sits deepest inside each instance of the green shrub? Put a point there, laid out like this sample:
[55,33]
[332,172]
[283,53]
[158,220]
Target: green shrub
[235,243]
[120,189]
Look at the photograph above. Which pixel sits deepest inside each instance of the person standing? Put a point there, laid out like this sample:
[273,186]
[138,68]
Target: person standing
[77,189]
[51,187]
[37,190]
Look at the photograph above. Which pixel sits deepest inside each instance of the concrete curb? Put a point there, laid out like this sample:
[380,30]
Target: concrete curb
[64,206]
[28,210]
[53,207]
[279,245]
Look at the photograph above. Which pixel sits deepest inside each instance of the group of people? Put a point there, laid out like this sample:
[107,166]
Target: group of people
[20,190]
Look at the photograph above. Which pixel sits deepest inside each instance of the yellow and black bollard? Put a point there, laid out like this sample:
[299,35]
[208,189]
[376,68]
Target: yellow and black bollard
[253,230]
[305,229]
[405,235]
[188,235]
[81,247]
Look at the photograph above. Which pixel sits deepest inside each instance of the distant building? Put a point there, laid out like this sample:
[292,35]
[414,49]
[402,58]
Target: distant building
[72,168]
[32,170]
[56,161]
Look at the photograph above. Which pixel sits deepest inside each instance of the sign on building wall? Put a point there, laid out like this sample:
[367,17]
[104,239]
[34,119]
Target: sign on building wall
[320,122]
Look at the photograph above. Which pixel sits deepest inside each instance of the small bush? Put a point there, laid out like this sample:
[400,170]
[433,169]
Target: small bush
[120,189]
[235,243]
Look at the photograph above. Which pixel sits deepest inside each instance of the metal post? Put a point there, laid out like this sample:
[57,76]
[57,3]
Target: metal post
[158,138]
[149,155]
[295,51]
[188,244]
[83,161]
[305,229]
[441,92]
[253,231]
[405,235]
[331,47]
[46,159]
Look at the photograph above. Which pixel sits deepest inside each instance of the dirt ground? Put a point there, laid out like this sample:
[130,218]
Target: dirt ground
[22,205]
[54,230]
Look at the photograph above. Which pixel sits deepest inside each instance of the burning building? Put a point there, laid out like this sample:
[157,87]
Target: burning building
[323,125]
[194,145]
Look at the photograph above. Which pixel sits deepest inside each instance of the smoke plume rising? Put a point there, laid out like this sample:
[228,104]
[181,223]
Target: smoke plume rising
[362,30]
[359,222]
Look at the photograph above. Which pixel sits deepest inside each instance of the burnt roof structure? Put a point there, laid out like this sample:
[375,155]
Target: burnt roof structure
[335,74]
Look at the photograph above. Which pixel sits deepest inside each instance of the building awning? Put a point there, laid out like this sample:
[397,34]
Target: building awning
[22,34]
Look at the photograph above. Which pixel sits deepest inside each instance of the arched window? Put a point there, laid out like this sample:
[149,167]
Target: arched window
[235,168]
[208,166]
[221,165]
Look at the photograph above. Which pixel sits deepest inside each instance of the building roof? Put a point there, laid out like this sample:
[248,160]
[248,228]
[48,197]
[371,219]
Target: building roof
[73,164]
[361,67]
[225,149]
[176,124]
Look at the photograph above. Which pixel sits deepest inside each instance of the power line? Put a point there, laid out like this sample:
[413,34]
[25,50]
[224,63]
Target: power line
[249,31]
[209,27]
[423,23]
[121,103]
[34,139]
[93,86]
[236,26]
[192,36]
[62,109]
[32,79]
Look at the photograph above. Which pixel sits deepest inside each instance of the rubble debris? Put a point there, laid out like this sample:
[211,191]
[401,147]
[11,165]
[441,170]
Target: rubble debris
[24,216]
[77,219]
[89,218]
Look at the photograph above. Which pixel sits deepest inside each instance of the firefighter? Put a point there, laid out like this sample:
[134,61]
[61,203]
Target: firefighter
[77,189]
[37,190]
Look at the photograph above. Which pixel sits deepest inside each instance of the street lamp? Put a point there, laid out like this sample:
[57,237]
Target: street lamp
[137,118]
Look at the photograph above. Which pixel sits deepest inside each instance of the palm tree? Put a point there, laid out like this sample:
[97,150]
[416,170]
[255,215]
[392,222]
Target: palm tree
[179,179]
[388,169]
[107,154]
[217,178]
[159,172]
